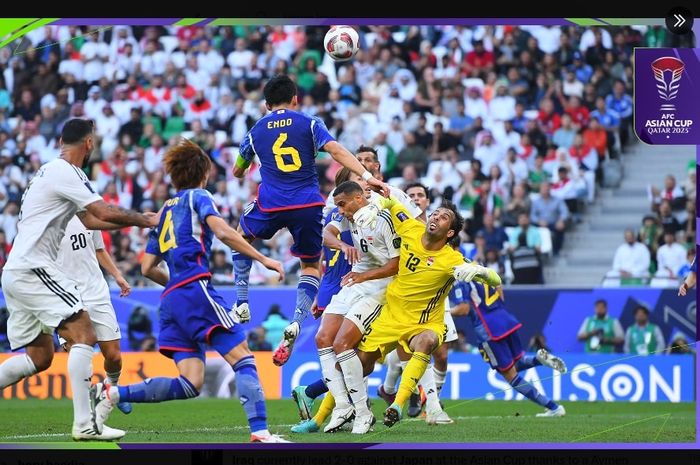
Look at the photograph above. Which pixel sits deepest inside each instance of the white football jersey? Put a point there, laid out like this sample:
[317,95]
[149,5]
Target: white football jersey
[56,192]
[376,245]
[77,257]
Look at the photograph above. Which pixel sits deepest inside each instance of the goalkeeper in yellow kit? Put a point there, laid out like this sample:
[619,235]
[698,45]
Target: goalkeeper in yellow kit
[412,321]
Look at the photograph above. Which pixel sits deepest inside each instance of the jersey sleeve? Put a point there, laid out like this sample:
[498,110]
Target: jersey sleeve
[402,197]
[402,219]
[76,188]
[247,150]
[339,222]
[152,246]
[320,133]
[458,294]
[98,240]
[203,204]
[392,240]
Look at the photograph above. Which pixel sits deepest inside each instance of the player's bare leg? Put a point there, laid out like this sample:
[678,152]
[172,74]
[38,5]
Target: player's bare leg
[307,289]
[440,366]
[38,357]
[528,390]
[113,367]
[344,345]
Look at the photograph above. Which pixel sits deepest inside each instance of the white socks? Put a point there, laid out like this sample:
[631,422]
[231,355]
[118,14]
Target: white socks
[80,374]
[354,381]
[16,368]
[333,378]
[428,383]
[113,377]
[393,371]
[439,379]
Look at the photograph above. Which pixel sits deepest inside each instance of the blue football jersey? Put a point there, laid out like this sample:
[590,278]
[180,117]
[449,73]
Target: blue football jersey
[287,142]
[460,294]
[183,238]
[336,264]
[491,310]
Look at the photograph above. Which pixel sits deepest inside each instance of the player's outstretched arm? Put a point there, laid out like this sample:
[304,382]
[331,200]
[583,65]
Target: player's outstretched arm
[348,160]
[106,262]
[471,271]
[114,215]
[231,238]
[151,270]
[688,283]
[330,240]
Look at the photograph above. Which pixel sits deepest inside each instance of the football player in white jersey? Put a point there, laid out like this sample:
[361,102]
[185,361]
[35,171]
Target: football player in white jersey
[40,296]
[83,252]
[358,303]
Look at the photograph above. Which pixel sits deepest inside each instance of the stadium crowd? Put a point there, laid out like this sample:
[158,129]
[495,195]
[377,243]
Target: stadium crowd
[514,124]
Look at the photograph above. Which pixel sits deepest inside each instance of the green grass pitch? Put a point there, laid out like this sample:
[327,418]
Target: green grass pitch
[223,421]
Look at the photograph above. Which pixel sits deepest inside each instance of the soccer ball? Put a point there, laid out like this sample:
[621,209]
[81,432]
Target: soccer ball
[341,43]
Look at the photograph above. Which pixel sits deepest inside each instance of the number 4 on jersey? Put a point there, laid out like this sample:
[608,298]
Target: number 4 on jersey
[166,240]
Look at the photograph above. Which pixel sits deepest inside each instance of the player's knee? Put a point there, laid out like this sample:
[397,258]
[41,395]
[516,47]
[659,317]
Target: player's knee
[196,380]
[425,343]
[323,339]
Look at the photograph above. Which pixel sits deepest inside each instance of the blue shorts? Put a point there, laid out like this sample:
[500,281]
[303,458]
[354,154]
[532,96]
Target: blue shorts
[326,291]
[502,354]
[188,316]
[305,225]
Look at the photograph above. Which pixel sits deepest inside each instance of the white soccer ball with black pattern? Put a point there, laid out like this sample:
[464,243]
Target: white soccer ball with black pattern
[341,43]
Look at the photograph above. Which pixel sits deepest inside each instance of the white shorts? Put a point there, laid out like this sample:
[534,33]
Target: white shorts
[451,328]
[104,320]
[356,306]
[38,300]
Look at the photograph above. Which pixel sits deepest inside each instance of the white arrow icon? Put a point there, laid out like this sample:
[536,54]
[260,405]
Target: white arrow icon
[680,20]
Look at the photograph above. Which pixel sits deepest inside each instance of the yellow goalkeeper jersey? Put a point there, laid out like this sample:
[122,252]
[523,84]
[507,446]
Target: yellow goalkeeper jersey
[417,294]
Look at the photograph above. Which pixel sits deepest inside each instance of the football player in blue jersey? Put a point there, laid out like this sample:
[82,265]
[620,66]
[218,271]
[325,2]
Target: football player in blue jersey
[496,331]
[192,313]
[690,280]
[286,143]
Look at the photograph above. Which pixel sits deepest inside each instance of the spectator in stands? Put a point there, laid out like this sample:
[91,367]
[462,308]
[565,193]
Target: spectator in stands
[632,260]
[601,332]
[670,258]
[221,271]
[257,340]
[550,212]
[274,324]
[140,327]
[643,338]
[671,192]
[668,221]
[495,236]
[519,203]
[679,345]
[532,234]
[525,262]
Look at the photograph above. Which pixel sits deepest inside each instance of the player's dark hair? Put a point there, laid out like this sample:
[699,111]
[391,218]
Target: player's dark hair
[342,175]
[187,164]
[458,221]
[76,130]
[367,148]
[349,188]
[411,185]
[279,89]
[601,301]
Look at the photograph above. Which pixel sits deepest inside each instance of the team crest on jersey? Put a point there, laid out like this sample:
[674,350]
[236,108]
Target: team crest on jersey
[370,239]
[430,261]
[397,243]
[402,216]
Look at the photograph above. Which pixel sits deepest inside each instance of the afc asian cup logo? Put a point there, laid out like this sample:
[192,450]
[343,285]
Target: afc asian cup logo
[667,72]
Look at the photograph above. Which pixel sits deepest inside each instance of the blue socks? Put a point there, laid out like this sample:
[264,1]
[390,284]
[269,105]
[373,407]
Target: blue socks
[241,272]
[158,390]
[307,289]
[526,362]
[250,393]
[316,388]
[529,391]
